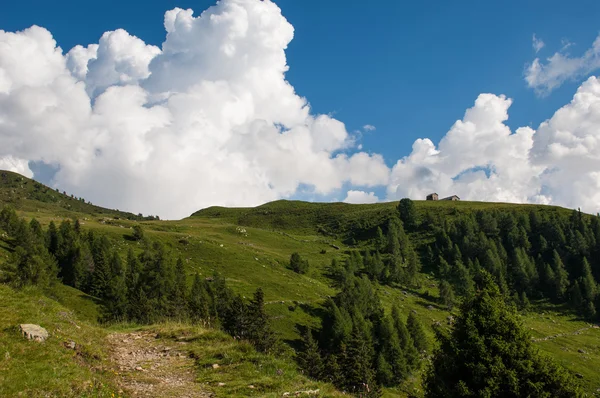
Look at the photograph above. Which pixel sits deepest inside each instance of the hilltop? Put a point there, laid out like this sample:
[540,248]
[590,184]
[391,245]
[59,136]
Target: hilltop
[251,248]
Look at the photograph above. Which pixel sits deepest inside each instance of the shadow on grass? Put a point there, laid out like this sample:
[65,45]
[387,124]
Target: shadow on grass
[426,304]
[314,311]
[129,238]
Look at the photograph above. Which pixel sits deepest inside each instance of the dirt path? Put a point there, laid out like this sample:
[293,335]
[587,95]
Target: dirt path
[151,367]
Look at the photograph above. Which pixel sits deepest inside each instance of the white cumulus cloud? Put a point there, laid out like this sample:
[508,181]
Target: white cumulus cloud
[206,119]
[360,197]
[544,77]
[210,119]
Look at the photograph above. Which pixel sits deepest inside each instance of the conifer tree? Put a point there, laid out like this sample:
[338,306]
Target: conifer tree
[489,354]
[298,264]
[260,333]
[52,239]
[446,295]
[561,277]
[380,240]
[309,358]
[199,302]
[180,290]
[408,214]
[116,302]
[411,355]
[417,333]
[359,377]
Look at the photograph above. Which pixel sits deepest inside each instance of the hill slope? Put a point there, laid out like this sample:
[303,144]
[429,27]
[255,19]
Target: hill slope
[251,247]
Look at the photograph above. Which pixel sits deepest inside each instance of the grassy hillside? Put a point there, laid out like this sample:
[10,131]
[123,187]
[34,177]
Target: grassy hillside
[251,248]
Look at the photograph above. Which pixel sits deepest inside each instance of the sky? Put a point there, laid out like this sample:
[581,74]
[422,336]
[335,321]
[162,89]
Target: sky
[163,110]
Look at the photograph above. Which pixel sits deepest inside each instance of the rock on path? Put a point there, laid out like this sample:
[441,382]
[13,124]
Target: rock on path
[151,367]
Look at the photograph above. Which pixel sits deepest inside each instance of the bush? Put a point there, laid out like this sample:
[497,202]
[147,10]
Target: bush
[297,264]
[138,232]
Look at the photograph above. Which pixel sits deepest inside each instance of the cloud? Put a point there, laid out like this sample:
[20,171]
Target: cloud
[360,197]
[15,165]
[537,44]
[480,158]
[207,119]
[560,67]
[368,127]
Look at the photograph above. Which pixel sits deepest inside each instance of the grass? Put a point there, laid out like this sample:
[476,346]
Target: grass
[35,369]
[251,248]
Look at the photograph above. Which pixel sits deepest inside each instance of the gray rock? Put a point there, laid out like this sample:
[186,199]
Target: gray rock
[70,344]
[33,332]
[581,351]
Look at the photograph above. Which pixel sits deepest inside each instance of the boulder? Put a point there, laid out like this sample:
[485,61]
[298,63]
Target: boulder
[33,332]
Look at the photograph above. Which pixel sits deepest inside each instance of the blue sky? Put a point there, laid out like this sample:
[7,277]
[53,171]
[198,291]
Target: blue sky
[408,68]
[411,69]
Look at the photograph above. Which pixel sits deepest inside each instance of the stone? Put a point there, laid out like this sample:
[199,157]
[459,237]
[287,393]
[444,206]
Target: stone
[581,351]
[215,366]
[579,375]
[430,307]
[33,332]
[221,384]
[70,344]
[251,387]
[139,369]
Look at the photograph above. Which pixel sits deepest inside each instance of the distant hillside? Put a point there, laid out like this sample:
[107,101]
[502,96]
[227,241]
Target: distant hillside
[348,221]
[29,195]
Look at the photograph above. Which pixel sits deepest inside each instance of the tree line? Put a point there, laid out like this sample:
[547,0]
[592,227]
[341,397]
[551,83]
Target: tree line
[145,288]
[359,348]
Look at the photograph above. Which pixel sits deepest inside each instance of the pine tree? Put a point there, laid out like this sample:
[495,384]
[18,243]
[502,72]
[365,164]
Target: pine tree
[384,371]
[446,295]
[561,277]
[587,283]
[380,240]
[309,358]
[180,291]
[52,238]
[199,302]
[417,333]
[333,372]
[411,355]
[489,354]
[260,333]
[116,303]
[359,377]
[408,214]
[297,264]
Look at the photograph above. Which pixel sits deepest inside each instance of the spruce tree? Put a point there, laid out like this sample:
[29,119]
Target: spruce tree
[488,353]
[417,333]
[260,333]
[309,358]
[199,302]
[561,277]
[411,355]
[180,291]
[359,377]
[446,295]
[408,214]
